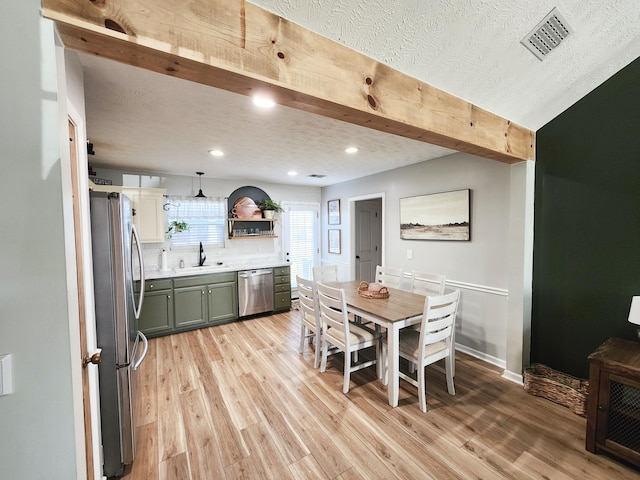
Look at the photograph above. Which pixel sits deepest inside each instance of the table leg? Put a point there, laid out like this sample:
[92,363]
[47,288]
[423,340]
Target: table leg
[393,360]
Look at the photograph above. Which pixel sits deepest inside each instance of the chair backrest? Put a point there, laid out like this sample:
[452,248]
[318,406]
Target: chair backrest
[426,283]
[333,309]
[438,322]
[390,277]
[324,274]
[308,298]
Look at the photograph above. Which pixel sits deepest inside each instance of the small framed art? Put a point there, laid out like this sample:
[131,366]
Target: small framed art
[334,212]
[334,241]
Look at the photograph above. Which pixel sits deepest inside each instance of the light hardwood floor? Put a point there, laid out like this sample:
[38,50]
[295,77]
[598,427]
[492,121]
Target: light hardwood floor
[237,401]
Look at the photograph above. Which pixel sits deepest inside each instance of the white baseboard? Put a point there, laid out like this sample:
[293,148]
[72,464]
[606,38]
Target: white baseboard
[506,374]
[513,377]
[481,356]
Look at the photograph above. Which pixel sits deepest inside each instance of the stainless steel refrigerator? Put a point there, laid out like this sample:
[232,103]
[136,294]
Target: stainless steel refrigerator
[117,305]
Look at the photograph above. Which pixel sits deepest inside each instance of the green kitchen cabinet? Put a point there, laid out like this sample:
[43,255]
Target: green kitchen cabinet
[178,304]
[156,317]
[223,299]
[281,289]
[190,302]
[205,299]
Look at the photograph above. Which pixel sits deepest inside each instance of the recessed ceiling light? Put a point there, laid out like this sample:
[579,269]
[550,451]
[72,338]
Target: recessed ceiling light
[216,153]
[351,150]
[291,173]
[263,102]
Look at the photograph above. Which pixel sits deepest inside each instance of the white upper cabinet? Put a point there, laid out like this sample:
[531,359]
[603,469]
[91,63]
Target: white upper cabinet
[148,214]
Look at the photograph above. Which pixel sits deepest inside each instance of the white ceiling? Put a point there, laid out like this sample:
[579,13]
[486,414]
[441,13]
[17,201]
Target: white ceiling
[146,121]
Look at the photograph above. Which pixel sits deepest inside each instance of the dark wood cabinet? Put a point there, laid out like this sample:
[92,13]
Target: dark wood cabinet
[613,413]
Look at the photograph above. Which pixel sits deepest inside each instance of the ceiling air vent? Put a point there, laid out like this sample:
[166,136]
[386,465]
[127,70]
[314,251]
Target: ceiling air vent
[316,175]
[547,35]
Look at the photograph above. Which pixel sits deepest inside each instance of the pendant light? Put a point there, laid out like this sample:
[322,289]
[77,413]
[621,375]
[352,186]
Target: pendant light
[200,194]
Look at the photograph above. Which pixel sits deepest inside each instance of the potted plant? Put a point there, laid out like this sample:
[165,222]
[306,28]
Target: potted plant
[270,207]
[176,227]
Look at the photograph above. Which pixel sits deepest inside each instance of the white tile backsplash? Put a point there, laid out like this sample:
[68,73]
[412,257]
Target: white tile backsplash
[250,253]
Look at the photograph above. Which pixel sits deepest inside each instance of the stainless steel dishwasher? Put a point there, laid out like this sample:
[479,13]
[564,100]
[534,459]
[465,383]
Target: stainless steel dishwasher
[255,291]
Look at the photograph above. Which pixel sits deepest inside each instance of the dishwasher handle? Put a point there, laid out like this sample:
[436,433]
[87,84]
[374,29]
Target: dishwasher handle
[254,273]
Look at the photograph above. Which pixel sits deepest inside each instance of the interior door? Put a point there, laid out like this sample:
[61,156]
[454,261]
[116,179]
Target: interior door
[368,238]
[93,357]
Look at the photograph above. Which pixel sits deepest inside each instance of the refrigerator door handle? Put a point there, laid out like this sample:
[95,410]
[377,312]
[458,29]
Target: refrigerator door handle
[145,347]
[141,263]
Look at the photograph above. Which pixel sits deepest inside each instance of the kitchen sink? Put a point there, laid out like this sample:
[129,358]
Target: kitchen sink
[203,269]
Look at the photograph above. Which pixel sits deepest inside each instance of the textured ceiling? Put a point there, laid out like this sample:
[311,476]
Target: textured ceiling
[145,121]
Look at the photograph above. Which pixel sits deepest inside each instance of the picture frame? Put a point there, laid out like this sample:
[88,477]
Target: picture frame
[333,207]
[334,241]
[436,216]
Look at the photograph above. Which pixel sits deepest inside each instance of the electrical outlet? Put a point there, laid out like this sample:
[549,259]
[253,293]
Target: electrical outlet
[409,254]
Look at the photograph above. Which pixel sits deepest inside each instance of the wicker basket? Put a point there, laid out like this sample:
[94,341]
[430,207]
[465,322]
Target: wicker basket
[543,381]
[363,291]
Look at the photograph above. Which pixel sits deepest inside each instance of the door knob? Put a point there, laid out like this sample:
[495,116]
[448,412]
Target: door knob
[95,358]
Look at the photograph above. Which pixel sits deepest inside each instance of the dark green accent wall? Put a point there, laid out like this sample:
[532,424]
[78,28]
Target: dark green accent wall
[586,264]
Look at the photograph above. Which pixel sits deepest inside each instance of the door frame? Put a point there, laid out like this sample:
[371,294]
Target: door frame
[80,269]
[352,226]
[286,232]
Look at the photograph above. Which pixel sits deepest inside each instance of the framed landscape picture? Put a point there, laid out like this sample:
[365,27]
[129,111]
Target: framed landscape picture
[438,216]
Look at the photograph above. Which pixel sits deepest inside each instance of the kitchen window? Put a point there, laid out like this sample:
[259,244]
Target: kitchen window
[205,218]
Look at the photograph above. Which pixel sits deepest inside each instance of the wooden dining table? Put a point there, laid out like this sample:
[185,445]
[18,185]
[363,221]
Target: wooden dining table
[399,310]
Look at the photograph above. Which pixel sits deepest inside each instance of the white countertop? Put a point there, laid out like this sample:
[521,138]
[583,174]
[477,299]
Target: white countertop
[194,270]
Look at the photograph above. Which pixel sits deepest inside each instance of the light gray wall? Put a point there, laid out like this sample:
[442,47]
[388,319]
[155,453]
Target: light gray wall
[480,268]
[37,438]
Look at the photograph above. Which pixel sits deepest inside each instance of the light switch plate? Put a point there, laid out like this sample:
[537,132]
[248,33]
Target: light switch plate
[409,254]
[6,377]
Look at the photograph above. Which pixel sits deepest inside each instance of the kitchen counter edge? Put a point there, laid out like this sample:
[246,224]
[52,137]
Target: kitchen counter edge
[206,269]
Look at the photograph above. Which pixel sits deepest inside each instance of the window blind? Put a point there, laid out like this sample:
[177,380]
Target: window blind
[204,216]
[303,244]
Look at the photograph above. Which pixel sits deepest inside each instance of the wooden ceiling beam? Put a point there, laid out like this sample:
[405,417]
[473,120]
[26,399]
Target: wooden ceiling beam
[236,46]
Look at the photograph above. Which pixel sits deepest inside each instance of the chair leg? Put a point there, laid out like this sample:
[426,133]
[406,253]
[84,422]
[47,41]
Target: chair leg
[379,359]
[303,332]
[325,348]
[448,368]
[347,371]
[318,349]
[422,394]
[453,361]
[453,351]
[385,364]
[412,367]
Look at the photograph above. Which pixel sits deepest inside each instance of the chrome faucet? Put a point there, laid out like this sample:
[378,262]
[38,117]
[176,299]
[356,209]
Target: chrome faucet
[203,257]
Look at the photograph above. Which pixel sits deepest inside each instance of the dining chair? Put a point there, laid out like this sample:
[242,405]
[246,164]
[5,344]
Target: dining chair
[389,277]
[346,336]
[426,283]
[433,342]
[326,273]
[310,325]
